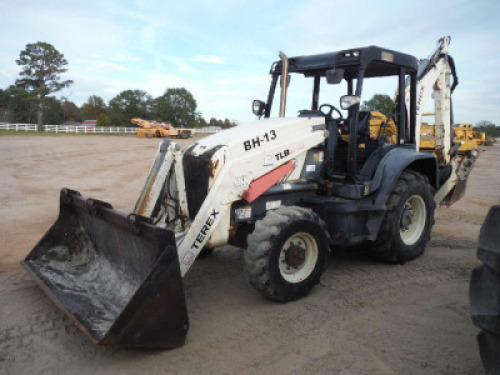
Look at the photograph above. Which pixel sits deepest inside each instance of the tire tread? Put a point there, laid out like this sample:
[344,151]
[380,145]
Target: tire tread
[256,257]
[386,248]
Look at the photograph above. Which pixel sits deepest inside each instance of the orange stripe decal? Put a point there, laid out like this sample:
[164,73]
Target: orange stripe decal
[259,186]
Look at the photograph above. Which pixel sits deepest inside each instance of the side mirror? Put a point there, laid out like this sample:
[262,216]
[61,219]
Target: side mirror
[258,107]
[347,101]
[334,76]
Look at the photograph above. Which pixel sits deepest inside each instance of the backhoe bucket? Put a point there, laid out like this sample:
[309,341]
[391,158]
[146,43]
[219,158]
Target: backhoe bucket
[465,165]
[455,194]
[117,277]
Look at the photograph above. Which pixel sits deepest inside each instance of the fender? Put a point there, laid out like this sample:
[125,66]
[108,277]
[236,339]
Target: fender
[395,162]
[390,168]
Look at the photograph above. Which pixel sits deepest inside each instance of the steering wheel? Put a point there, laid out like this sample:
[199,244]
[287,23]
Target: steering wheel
[332,108]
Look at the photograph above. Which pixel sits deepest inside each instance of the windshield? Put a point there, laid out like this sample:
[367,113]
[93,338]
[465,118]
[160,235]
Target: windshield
[300,94]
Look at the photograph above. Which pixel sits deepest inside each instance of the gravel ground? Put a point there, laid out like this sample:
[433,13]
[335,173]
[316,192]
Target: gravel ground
[363,318]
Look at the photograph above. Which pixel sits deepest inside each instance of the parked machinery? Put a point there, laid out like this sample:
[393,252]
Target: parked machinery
[466,137]
[159,129]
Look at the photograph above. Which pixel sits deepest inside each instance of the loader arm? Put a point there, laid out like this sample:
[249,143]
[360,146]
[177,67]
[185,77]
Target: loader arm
[243,155]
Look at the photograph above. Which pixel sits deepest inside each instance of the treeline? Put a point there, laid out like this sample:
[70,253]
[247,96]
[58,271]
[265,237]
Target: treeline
[29,99]
[489,128]
[176,105]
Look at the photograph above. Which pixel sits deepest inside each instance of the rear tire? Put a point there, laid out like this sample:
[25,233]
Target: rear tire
[408,221]
[287,253]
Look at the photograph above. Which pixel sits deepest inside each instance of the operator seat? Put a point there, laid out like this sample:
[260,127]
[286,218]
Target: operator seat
[364,125]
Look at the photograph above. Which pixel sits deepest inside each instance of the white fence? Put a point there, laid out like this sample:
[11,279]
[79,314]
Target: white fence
[89,129]
[18,127]
[69,128]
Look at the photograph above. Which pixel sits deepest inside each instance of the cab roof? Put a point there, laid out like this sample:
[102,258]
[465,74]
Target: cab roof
[377,61]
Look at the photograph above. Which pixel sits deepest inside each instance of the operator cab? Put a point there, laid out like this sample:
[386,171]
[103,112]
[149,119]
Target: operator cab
[352,154]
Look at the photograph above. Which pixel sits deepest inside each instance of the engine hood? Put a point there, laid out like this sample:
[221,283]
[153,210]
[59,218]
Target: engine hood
[235,137]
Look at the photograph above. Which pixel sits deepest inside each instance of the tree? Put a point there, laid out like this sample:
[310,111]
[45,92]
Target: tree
[71,111]
[129,104]
[379,102]
[6,113]
[103,120]
[52,111]
[488,127]
[93,108]
[213,122]
[178,106]
[41,66]
[20,104]
[202,123]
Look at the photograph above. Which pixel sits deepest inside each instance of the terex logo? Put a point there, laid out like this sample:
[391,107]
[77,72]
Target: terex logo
[206,229]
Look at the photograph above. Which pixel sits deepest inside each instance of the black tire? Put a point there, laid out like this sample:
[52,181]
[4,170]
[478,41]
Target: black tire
[205,252]
[389,246]
[262,256]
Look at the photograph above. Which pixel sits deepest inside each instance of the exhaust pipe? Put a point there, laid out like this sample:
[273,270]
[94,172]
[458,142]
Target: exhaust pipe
[284,83]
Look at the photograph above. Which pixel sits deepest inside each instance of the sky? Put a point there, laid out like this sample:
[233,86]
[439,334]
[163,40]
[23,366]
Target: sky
[221,50]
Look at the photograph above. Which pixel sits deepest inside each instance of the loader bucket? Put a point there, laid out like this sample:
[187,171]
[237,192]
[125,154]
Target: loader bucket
[117,277]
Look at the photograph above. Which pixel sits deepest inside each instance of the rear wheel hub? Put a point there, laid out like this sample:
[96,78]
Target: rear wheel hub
[406,217]
[412,220]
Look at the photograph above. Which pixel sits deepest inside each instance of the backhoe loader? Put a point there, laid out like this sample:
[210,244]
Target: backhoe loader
[288,189]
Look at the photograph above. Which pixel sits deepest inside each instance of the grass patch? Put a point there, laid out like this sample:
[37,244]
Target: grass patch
[28,133]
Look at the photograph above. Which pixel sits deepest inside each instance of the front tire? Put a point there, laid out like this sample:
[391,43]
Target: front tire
[408,221]
[287,253]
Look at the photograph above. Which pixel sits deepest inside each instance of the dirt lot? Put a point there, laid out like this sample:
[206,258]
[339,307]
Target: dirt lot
[364,317]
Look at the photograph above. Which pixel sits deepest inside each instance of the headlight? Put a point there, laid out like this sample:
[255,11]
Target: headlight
[258,107]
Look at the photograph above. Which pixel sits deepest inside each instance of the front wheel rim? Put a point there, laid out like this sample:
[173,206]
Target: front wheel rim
[302,245]
[412,220]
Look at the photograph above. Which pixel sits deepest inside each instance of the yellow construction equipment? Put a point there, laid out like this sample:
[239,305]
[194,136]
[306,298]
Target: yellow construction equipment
[380,127]
[465,136]
[427,134]
[490,141]
[158,129]
[482,139]
[464,133]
